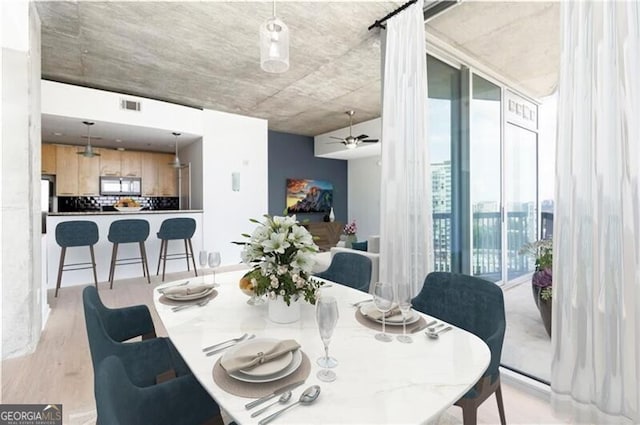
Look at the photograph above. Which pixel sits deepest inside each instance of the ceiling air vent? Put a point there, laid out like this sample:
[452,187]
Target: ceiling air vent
[130,105]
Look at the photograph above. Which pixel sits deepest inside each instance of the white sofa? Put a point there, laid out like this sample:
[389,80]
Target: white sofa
[373,253]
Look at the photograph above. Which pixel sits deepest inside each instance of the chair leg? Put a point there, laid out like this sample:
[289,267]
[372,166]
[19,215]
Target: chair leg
[93,264]
[62,254]
[469,415]
[186,256]
[193,259]
[164,258]
[503,420]
[160,256]
[145,264]
[112,267]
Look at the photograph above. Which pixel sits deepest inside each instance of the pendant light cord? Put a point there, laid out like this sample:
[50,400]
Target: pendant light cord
[274,8]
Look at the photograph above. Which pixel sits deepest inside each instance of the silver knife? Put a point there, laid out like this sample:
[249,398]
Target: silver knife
[273,394]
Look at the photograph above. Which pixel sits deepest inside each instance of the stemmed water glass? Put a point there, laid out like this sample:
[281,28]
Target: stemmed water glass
[214,261]
[383,300]
[203,260]
[403,298]
[327,318]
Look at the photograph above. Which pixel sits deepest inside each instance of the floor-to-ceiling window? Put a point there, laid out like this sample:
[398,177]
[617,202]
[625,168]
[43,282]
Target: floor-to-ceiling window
[443,135]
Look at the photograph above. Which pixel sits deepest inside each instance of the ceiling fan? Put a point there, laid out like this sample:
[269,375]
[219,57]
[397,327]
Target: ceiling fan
[352,142]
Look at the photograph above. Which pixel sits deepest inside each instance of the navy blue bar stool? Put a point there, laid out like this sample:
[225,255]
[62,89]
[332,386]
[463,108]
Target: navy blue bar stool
[176,229]
[76,233]
[128,231]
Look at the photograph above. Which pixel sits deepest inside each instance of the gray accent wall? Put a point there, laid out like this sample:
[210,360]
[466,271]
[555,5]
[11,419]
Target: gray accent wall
[291,156]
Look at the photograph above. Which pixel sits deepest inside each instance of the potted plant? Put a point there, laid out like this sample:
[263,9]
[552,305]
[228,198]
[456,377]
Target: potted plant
[281,253]
[542,280]
[350,231]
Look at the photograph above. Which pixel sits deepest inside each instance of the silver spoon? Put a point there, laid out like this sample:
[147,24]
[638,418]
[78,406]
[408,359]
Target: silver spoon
[282,400]
[307,397]
[436,335]
[435,328]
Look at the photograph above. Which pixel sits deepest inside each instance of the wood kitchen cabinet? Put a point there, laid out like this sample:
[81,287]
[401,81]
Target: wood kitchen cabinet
[131,164]
[149,174]
[67,170]
[167,175]
[110,162]
[48,157]
[89,174]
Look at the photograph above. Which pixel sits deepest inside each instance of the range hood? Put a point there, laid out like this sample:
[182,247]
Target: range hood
[121,186]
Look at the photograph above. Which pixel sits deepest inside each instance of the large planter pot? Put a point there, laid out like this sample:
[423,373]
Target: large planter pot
[280,312]
[544,306]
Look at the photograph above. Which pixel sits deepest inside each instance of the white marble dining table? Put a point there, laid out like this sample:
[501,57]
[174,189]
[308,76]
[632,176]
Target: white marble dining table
[377,382]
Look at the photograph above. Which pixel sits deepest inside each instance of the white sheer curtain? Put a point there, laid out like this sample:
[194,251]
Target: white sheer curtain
[406,251]
[596,299]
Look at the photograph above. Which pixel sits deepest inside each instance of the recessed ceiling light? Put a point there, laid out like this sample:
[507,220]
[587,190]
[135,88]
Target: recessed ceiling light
[85,51]
[58,134]
[120,149]
[118,140]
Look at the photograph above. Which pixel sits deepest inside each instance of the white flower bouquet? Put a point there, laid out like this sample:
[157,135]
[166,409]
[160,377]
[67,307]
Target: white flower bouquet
[281,253]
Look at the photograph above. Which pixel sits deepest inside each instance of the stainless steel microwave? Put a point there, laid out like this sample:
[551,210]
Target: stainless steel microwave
[131,186]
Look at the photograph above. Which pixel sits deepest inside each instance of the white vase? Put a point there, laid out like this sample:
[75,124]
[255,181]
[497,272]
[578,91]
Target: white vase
[332,216]
[280,312]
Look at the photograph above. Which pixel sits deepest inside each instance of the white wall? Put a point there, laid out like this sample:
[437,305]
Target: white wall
[21,303]
[193,154]
[83,103]
[232,143]
[364,195]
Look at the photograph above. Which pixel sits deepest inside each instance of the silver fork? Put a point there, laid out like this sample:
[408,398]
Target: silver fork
[199,304]
[229,341]
[211,353]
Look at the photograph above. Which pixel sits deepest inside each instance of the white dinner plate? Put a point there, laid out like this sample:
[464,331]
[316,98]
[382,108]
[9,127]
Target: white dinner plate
[294,364]
[190,297]
[395,320]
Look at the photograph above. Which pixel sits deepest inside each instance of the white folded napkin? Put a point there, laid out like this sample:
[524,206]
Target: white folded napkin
[247,361]
[187,289]
[375,314]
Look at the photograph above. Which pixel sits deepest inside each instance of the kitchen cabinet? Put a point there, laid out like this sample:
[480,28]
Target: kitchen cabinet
[89,175]
[167,175]
[130,164]
[110,162]
[67,170]
[149,174]
[48,158]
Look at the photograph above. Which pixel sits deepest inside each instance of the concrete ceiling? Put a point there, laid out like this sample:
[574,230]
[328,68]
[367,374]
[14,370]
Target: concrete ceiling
[205,54]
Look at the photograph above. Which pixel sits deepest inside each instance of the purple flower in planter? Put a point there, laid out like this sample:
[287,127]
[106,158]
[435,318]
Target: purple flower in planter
[543,278]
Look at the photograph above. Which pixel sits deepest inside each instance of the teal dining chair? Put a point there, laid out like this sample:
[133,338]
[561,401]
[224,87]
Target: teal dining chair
[353,270]
[477,306]
[180,401]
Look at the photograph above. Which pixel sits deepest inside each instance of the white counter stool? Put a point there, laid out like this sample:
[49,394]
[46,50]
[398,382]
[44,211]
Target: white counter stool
[70,234]
[176,229]
[128,231]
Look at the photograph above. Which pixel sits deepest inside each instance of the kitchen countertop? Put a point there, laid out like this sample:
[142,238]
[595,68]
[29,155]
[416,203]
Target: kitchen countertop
[54,214]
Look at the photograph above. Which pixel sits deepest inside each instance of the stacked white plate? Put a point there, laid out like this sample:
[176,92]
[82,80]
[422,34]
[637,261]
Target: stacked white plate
[395,320]
[270,371]
[190,297]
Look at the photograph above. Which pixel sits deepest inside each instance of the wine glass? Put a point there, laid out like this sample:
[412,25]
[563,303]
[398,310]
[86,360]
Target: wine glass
[383,300]
[214,261]
[327,318]
[403,298]
[203,261]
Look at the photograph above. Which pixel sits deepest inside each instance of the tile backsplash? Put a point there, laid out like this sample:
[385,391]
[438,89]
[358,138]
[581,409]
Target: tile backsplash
[96,203]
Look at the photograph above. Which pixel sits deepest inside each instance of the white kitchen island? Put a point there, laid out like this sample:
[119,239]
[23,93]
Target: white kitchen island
[103,247]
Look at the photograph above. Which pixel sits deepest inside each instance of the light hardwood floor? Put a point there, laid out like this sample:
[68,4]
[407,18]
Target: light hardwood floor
[60,370]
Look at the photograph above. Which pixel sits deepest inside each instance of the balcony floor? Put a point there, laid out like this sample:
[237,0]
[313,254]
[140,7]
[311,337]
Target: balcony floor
[527,347]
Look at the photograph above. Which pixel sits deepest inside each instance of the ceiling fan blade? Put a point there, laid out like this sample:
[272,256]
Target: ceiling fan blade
[332,143]
[370,141]
[337,138]
[362,136]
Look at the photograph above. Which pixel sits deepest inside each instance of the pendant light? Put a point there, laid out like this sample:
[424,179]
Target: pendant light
[274,45]
[176,161]
[88,150]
